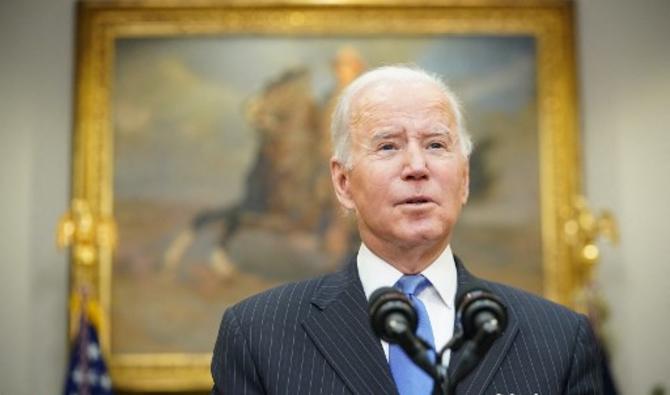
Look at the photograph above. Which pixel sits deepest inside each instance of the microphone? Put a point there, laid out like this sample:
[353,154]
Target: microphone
[481,314]
[392,315]
[395,321]
[482,317]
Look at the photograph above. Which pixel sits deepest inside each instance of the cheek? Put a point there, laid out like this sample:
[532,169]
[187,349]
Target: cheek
[371,192]
[451,173]
[372,189]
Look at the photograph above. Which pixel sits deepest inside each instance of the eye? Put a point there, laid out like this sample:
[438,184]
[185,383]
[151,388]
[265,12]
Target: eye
[387,147]
[437,145]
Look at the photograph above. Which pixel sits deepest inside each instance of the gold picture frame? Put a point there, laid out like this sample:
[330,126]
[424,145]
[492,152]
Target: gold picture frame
[100,24]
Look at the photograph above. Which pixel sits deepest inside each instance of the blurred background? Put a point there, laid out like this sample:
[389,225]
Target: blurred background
[623,69]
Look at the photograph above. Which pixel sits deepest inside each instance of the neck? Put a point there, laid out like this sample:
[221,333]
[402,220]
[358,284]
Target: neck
[408,259]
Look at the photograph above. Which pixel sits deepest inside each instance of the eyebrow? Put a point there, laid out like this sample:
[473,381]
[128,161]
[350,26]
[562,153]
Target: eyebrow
[439,131]
[386,133]
[391,132]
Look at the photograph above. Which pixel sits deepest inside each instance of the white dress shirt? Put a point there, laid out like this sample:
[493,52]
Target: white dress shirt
[374,273]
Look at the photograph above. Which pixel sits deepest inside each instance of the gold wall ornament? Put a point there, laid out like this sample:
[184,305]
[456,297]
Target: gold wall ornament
[85,233]
[582,231]
[89,226]
[88,236]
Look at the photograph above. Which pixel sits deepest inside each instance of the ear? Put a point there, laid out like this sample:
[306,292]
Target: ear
[339,175]
[465,188]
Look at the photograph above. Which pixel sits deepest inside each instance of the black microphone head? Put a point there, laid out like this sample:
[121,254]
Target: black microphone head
[476,305]
[389,311]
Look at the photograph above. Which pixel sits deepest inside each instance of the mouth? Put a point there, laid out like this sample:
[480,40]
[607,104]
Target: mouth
[416,201]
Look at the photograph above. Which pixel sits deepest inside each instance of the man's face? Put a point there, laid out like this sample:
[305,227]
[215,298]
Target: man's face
[409,178]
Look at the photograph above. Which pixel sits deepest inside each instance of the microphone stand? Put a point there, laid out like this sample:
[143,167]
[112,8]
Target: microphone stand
[445,385]
[484,311]
[419,351]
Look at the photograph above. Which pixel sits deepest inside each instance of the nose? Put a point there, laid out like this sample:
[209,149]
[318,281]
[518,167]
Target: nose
[415,166]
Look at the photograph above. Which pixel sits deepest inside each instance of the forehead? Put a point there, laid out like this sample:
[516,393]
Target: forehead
[394,101]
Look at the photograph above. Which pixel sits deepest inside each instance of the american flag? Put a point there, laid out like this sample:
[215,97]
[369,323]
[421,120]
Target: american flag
[87,372]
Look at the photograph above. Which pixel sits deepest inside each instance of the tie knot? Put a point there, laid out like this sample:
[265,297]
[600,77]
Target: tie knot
[412,285]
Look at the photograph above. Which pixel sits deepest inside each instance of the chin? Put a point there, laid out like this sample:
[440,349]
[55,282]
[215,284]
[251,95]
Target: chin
[423,236]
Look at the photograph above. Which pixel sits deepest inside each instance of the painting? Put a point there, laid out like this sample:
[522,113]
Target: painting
[215,137]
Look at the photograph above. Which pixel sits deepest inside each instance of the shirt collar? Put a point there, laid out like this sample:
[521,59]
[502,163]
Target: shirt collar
[374,273]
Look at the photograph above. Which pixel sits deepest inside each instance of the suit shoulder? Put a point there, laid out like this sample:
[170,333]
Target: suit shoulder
[291,299]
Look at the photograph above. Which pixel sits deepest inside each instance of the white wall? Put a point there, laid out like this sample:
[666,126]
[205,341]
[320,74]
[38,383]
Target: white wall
[36,40]
[624,62]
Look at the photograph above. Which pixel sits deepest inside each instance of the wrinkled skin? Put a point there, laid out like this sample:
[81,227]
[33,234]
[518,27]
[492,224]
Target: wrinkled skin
[408,177]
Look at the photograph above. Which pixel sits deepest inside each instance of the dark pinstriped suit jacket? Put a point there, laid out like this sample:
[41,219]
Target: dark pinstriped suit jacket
[314,337]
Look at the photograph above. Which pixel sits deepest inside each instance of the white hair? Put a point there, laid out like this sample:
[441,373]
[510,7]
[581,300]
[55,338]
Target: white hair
[340,125]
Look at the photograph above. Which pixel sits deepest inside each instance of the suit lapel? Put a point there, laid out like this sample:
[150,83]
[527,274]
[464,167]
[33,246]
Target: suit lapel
[340,328]
[477,381]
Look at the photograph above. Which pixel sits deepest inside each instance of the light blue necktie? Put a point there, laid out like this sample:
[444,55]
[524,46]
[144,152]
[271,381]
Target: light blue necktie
[409,378]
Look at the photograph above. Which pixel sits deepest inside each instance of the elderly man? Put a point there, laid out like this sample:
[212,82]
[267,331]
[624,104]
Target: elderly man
[401,167]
